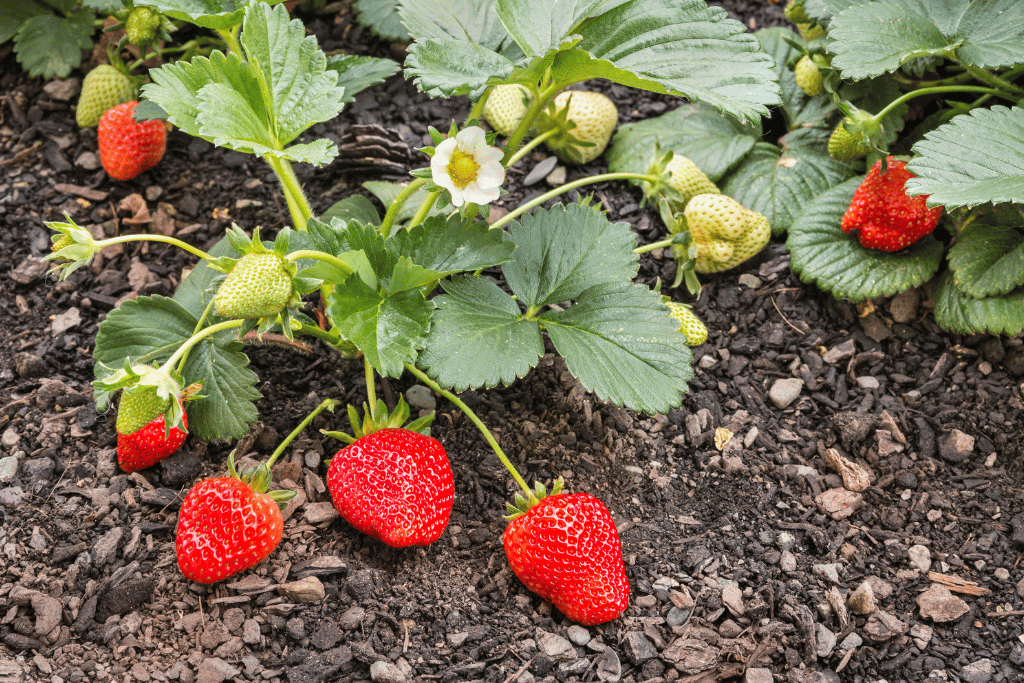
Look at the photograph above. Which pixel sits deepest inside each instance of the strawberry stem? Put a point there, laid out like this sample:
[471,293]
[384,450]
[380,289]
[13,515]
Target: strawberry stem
[537,201]
[371,389]
[654,245]
[940,89]
[298,205]
[146,237]
[320,256]
[327,404]
[540,100]
[423,377]
[531,145]
[389,218]
[195,339]
[425,208]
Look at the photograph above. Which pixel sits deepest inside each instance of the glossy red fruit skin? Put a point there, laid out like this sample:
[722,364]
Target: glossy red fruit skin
[129,147]
[882,216]
[394,485]
[566,550]
[148,446]
[224,527]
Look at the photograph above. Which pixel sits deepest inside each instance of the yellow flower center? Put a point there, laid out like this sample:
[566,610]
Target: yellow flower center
[462,168]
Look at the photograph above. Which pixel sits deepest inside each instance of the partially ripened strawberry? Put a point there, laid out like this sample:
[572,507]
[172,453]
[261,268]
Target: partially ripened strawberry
[129,147]
[808,76]
[846,146]
[102,88]
[259,286]
[689,324]
[394,485]
[725,232]
[688,180]
[139,406]
[586,121]
[225,527]
[566,549]
[505,107]
[149,445]
[882,216]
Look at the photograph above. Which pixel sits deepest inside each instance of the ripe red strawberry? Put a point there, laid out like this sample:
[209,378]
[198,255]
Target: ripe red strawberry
[149,445]
[225,527]
[394,485]
[881,214]
[129,147]
[566,550]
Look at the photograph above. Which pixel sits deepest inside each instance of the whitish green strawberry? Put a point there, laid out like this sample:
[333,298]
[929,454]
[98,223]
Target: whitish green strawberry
[689,324]
[139,406]
[505,107]
[688,180]
[594,116]
[810,31]
[259,286]
[846,146]
[141,25]
[795,12]
[808,76]
[103,87]
[725,233]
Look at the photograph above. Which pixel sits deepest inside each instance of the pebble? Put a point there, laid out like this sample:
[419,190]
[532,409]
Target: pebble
[922,635]
[787,562]
[851,641]
[12,495]
[826,640]
[920,557]
[939,605]
[785,391]
[785,541]
[215,670]
[68,320]
[88,161]
[830,571]
[10,438]
[956,446]
[553,645]
[8,469]
[386,672]
[730,629]
[105,548]
[578,635]
[862,600]
[839,503]
[62,89]
[1001,573]
[749,280]
[868,382]
[903,307]
[758,676]
[978,672]
[638,648]
[420,397]
[882,626]
[732,598]
[305,590]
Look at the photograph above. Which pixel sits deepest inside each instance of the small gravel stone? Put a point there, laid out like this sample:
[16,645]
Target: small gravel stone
[921,634]
[826,640]
[306,590]
[956,446]
[638,648]
[920,557]
[553,645]
[978,672]
[8,469]
[1001,573]
[851,641]
[215,670]
[758,676]
[9,439]
[785,540]
[105,548]
[420,397]
[862,600]
[787,562]
[578,635]
[386,672]
[785,391]
[939,605]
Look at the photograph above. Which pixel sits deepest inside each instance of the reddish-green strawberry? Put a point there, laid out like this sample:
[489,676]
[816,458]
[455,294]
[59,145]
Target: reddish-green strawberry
[808,76]
[505,107]
[102,88]
[725,233]
[394,485]
[882,216]
[689,180]
[795,12]
[129,147]
[846,146]
[149,445]
[139,406]
[259,286]
[689,324]
[594,116]
[141,25]
[566,550]
[225,527]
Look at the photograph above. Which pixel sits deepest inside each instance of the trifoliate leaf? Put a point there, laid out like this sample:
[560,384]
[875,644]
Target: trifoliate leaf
[51,46]
[973,159]
[355,207]
[987,260]
[447,67]
[381,17]
[449,245]
[539,28]
[621,342]
[822,254]
[356,73]
[14,13]
[478,337]
[960,314]
[473,21]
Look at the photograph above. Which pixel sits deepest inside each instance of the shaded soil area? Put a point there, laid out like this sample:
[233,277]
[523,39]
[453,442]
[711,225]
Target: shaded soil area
[839,498]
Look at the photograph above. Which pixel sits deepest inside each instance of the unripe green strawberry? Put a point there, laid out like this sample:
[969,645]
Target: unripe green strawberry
[595,117]
[726,234]
[689,180]
[810,31]
[102,88]
[139,406]
[689,324]
[505,107]
[808,77]
[259,286]
[795,12]
[141,25]
[846,146]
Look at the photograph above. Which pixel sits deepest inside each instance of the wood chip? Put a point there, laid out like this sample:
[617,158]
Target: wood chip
[79,191]
[955,584]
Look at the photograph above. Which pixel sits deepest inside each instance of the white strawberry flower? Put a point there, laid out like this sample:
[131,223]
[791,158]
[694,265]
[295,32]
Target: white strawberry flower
[468,167]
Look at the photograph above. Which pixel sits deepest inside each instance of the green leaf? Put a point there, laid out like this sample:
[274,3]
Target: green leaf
[356,73]
[563,251]
[987,260]
[779,182]
[450,246]
[104,6]
[540,27]
[150,329]
[355,207]
[387,328]
[14,13]
[51,46]
[471,21]
[381,17]
[478,337]
[408,275]
[957,313]
[619,340]
[973,159]
[713,141]
[822,254]
[873,38]
[447,67]
[798,108]
[387,192]
[214,14]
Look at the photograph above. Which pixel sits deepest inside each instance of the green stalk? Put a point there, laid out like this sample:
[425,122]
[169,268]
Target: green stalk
[423,377]
[523,208]
[653,245]
[298,206]
[315,255]
[938,89]
[1008,89]
[540,100]
[195,339]
[195,330]
[371,389]
[530,146]
[230,38]
[392,214]
[478,107]
[146,237]
[327,404]
[425,208]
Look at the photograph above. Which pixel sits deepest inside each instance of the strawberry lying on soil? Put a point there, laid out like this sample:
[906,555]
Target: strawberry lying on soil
[129,147]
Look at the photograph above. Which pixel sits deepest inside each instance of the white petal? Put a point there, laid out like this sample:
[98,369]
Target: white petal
[488,154]
[478,195]
[445,149]
[491,174]
[458,196]
[469,139]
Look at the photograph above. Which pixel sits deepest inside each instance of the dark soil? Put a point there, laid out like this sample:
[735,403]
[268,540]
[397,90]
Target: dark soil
[747,557]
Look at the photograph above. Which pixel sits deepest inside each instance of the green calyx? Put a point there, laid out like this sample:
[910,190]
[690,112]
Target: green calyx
[523,504]
[72,246]
[146,393]
[378,418]
[258,479]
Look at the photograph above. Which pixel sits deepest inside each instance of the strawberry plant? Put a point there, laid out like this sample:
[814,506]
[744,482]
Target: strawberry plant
[403,292]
